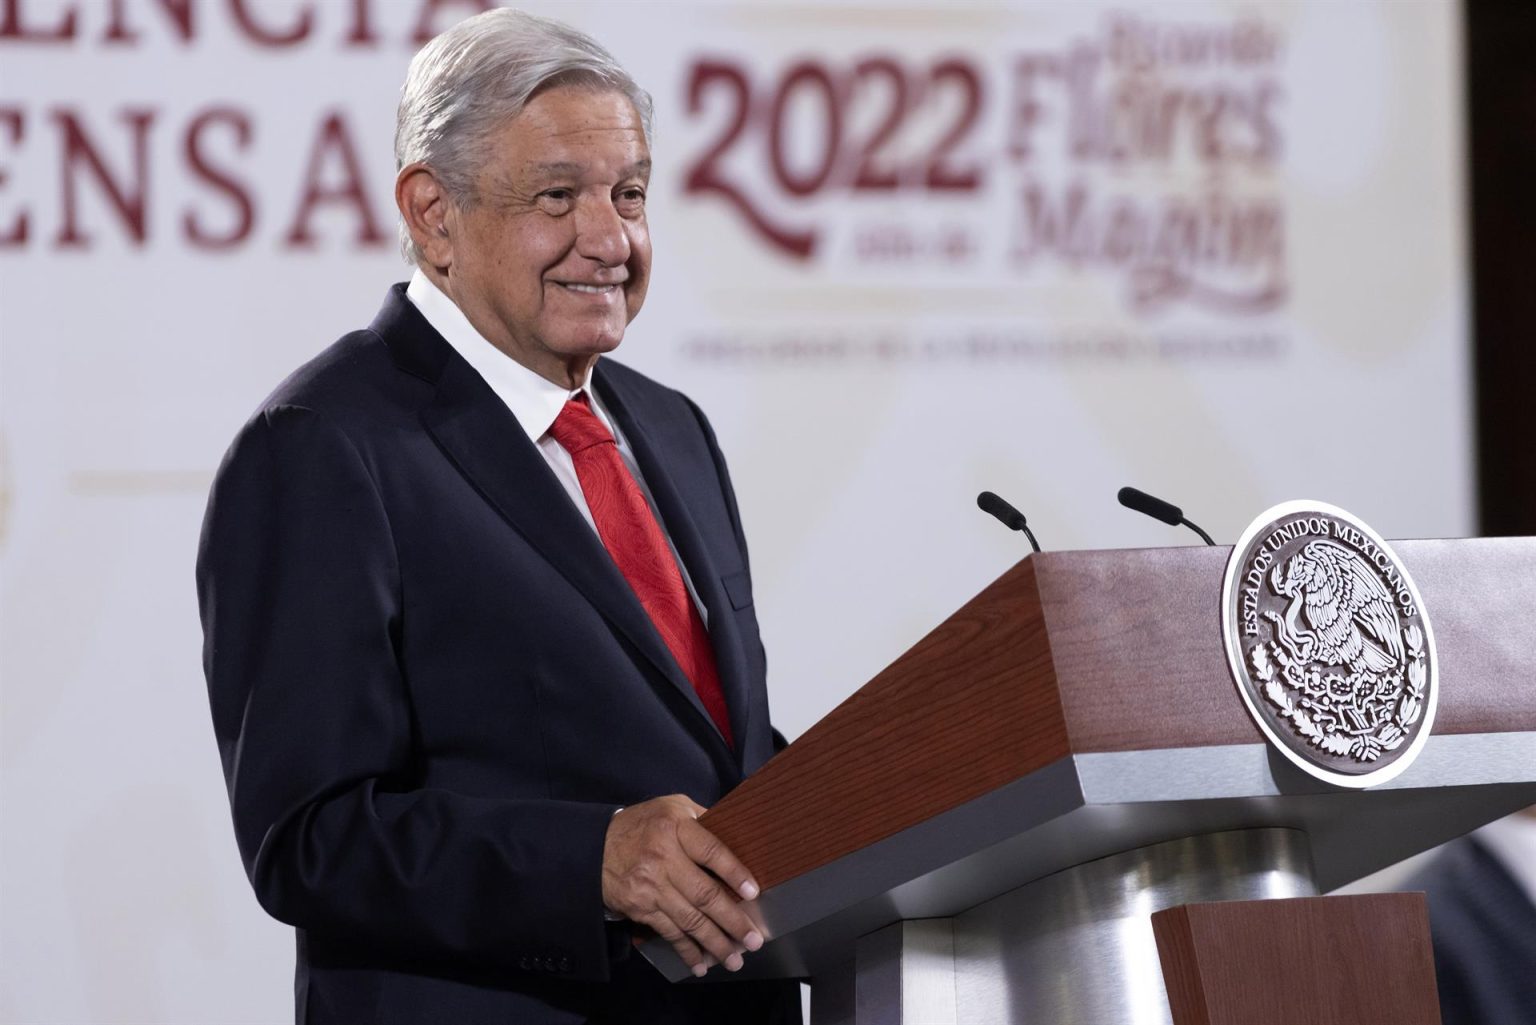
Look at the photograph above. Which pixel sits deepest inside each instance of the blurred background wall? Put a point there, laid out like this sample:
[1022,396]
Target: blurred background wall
[904,252]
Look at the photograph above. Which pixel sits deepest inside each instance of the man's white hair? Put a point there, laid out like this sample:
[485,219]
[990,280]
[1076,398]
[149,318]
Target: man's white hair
[478,75]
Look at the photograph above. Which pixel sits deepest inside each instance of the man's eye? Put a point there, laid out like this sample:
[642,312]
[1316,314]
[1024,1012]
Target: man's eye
[556,196]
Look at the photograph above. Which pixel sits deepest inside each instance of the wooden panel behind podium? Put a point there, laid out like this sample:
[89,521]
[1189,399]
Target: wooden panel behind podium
[1361,960]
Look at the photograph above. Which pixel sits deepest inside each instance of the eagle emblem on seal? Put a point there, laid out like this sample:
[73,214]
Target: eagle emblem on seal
[1329,642]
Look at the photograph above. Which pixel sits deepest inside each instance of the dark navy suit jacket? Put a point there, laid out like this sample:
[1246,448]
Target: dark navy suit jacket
[432,688]
[1483,927]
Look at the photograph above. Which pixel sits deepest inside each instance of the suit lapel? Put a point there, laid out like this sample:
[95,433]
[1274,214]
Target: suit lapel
[483,440]
[681,526]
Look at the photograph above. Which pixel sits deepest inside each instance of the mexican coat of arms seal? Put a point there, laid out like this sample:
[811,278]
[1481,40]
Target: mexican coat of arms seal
[1329,644]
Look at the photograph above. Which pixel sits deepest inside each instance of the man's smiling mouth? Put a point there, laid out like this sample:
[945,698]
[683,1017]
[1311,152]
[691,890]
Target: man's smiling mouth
[587,289]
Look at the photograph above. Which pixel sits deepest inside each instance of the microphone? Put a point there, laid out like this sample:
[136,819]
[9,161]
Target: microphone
[1010,517]
[1159,510]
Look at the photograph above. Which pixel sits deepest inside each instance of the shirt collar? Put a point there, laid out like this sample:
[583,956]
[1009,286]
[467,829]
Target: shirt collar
[535,401]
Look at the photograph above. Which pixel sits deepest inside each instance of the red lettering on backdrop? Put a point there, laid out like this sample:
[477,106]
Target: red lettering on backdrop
[824,92]
[1027,110]
[937,174]
[127,199]
[265,37]
[362,33]
[705,177]
[178,11]
[426,25]
[237,193]
[334,137]
[872,174]
[17,234]
[12,28]
[1135,101]
[809,77]
[1126,119]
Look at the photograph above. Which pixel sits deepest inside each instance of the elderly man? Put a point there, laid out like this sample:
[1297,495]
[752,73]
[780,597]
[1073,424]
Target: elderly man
[479,634]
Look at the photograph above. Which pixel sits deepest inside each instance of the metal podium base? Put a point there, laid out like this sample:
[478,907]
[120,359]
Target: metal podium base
[1074,947]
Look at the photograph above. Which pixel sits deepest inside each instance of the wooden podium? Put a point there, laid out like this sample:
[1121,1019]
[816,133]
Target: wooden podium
[983,832]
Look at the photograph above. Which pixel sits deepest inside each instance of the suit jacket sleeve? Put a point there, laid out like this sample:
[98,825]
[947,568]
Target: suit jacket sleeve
[301,601]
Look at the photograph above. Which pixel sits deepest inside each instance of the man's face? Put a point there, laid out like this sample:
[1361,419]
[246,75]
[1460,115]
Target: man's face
[552,261]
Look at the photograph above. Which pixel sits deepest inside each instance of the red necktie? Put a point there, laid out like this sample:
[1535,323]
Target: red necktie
[634,539]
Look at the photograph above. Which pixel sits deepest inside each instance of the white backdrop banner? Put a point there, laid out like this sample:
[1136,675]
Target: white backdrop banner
[904,253]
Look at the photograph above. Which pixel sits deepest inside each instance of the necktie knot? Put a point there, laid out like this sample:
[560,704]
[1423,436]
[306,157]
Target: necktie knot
[578,428]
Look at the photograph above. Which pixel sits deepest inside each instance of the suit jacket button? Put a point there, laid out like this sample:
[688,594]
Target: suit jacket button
[565,964]
[550,964]
[525,963]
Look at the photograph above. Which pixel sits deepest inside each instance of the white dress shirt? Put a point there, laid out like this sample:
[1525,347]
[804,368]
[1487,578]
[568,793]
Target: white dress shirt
[535,401]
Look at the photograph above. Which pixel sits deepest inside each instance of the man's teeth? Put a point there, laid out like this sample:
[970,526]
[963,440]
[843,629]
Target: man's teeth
[589,289]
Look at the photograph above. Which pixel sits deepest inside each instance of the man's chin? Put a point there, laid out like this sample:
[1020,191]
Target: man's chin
[596,344]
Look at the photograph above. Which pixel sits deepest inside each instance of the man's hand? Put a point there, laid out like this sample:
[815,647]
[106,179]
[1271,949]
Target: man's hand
[664,870]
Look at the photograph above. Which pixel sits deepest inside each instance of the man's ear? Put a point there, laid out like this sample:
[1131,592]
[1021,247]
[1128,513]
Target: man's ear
[425,206]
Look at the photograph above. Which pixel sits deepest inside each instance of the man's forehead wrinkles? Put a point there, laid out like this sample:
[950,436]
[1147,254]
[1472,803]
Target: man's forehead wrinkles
[547,168]
[630,132]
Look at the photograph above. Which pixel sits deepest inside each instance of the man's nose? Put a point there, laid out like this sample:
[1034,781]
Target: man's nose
[601,233]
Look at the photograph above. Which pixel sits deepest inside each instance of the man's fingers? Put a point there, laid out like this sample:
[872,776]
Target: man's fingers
[702,929]
[704,848]
[707,894]
[693,955]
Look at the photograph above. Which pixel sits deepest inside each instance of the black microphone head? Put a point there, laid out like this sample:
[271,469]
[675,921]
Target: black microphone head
[1153,507]
[992,504]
